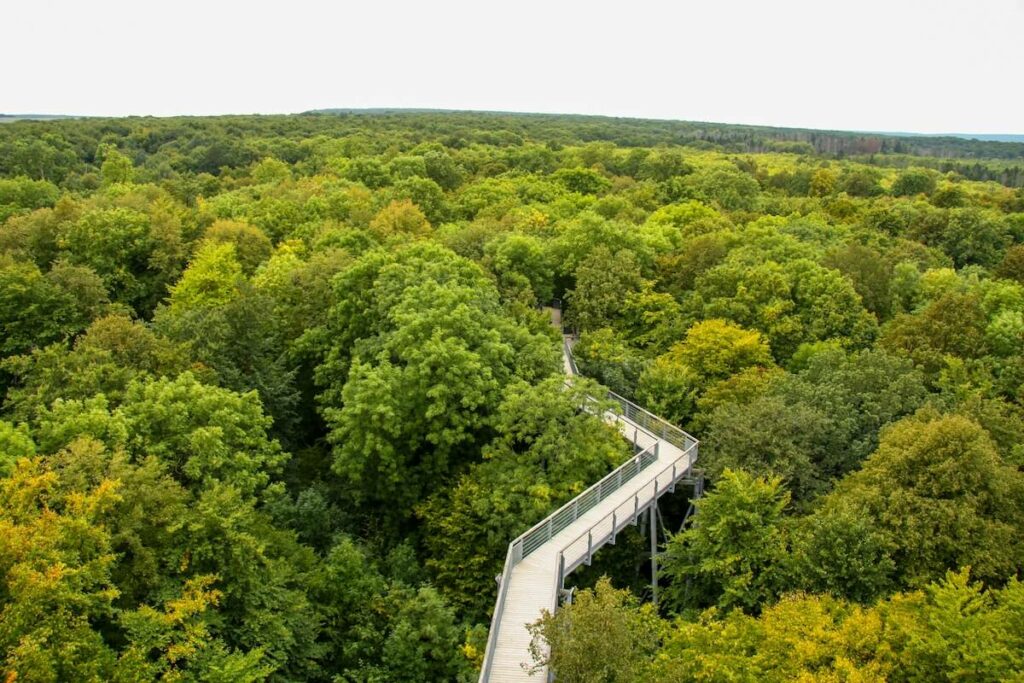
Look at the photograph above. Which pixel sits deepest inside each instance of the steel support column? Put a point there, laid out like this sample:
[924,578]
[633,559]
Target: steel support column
[654,552]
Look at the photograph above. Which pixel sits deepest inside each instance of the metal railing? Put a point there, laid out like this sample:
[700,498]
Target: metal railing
[550,526]
[654,425]
[604,530]
[655,429]
[567,352]
[543,531]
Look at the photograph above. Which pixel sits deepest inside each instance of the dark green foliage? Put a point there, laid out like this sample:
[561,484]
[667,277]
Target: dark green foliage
[547,450]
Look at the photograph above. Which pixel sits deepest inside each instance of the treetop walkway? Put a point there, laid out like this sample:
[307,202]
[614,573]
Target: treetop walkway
[538,561]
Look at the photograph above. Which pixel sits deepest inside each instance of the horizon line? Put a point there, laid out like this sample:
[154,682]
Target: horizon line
[980,137]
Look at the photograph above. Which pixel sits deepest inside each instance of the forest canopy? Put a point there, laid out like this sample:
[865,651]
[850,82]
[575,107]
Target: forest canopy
[278,391]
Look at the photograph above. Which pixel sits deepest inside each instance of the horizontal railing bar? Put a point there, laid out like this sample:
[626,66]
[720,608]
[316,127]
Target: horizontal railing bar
[636,458]
[506,574]
[657,493]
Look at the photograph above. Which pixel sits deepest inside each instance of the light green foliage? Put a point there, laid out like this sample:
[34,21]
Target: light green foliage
[804,638]
[120,245]
[576,238]
[603,620]
[823,182]
[19,195]
[252,246]
[116,168]
[368,171]
[55,560]
[223,320]
[271,170]
[791,304]
[914,181]
[183,644]
[952,630]
[203,434]
[729,188]
[300,289]
[516,257]
[713,350]
[651,320]
[733,554]
[15,442]
[113,351]
[974,236]
[717,349]
[928,632]
[691,218]
[601,354]
[426,195]
[399,218]
[211,279]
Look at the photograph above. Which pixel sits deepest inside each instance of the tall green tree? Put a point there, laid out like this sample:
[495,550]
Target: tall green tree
[734,554]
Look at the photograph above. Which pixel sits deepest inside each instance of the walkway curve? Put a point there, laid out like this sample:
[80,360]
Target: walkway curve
[538,561]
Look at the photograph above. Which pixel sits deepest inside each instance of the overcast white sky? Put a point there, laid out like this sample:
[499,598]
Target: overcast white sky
[892,65]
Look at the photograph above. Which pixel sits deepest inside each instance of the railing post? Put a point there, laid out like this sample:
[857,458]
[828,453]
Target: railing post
[575,509]
[672,486]
[547,528]
[615,525]
[636,506]
[590,545]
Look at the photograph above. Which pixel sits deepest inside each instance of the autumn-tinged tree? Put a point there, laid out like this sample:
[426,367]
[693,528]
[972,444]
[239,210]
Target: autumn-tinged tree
[399,218]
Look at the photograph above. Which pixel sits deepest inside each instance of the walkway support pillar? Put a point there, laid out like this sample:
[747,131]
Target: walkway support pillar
[654,552]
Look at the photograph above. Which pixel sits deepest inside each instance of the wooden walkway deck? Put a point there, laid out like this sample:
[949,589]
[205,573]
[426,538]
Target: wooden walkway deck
[535,580]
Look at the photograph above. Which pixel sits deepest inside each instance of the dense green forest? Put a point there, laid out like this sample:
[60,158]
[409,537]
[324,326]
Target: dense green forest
[278,391]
